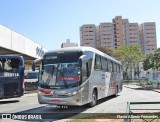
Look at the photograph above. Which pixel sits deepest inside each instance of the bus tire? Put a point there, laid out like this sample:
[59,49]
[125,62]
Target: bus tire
[94,99]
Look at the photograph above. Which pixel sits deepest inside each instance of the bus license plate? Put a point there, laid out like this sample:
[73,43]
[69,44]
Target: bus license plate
[56,101]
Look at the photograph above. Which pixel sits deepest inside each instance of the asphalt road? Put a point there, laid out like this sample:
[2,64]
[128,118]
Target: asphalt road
[28,104]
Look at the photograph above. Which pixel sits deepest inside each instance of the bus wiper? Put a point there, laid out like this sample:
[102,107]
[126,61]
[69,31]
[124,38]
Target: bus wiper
[55,87]
[64,81]
[48,79]
[74,84]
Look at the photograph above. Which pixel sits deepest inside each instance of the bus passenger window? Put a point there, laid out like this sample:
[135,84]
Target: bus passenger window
[97,64]
[118,68]
[111,66]
[104,64]
[115,67]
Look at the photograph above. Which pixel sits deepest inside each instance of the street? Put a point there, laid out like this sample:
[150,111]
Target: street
[29,104]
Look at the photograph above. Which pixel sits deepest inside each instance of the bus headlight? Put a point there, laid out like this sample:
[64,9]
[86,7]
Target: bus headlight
[72,93]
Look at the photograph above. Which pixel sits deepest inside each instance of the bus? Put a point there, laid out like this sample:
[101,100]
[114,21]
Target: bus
[30,80]
[76,76]
[30,76]
[11,76]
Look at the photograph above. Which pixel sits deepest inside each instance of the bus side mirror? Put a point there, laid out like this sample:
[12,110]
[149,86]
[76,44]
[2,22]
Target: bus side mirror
[36,63]
[80,61]
[33,66]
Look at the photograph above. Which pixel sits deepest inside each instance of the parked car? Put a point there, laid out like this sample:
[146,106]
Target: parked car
[156,79]
[143,79]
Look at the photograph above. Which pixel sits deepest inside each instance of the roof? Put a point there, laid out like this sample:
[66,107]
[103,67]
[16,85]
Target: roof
[79,49]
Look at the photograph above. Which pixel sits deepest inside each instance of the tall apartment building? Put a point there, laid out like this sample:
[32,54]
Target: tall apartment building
[148,37]
[119,33]
[88,35]
[106,35]
[132,34]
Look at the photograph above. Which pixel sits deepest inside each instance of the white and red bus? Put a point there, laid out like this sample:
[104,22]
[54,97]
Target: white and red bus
[77,76]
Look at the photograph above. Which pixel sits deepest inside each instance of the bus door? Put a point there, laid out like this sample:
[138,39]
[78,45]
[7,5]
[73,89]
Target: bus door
[85,81]
[98,76]
[107,82]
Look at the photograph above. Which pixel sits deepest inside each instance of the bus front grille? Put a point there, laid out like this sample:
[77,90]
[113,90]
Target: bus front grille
[10,89]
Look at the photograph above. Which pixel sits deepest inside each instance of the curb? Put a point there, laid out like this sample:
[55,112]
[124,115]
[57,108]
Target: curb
[143,88]
[30,92]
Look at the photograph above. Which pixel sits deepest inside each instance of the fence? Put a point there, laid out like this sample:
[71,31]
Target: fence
[148,117]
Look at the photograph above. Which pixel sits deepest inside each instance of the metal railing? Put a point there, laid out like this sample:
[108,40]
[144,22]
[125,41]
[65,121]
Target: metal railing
[131,115]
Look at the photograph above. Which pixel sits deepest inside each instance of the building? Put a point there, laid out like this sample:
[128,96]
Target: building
[119,33]
[148,37]
[13,43]
[106,32]
[68,44]
[88,35]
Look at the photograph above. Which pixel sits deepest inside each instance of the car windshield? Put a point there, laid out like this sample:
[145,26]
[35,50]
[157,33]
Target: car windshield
[60,71]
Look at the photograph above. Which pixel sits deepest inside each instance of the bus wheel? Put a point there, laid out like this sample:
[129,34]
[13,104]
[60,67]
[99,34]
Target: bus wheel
[94,99]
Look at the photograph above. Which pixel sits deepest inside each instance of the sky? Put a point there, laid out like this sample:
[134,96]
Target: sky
[51,22]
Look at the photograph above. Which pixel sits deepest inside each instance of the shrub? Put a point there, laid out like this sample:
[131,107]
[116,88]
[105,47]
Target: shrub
[149,83]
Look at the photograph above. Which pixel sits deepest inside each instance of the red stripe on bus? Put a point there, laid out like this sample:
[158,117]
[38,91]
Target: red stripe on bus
[68,78]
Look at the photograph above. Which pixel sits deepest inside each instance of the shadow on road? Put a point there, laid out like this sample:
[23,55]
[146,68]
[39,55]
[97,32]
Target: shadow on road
[106,99]
[52,113]
[8,101]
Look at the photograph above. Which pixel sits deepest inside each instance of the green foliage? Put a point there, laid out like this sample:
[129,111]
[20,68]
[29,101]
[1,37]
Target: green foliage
[149,83]
[129,56]
[106,50]
[141,83]
[152,60]
[146,62]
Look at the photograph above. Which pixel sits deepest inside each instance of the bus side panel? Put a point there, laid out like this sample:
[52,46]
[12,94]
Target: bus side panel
[96,82]
[85,92]
[112,84]
[120,82]
[107,83]
[10,88]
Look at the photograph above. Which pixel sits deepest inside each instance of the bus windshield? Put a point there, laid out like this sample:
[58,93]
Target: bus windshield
[11,76]
[9,67]
[31,75]
[60,71]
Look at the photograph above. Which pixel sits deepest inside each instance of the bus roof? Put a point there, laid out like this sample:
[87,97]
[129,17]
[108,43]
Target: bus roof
[11,56]
[78,49]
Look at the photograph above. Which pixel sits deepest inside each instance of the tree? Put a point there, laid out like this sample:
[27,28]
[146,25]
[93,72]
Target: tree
[146,62]
[106,50]
[152,60]
[129,56]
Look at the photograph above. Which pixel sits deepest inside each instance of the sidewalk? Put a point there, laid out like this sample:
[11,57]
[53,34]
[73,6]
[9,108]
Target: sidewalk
[133,86]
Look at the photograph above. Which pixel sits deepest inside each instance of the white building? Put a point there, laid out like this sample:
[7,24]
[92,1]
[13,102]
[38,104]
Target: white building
[13,43]
[68,44]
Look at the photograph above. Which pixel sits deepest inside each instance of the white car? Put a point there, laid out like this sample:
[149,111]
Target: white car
[143,79]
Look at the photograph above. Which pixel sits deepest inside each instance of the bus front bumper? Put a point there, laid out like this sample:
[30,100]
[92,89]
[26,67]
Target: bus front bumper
[74,100]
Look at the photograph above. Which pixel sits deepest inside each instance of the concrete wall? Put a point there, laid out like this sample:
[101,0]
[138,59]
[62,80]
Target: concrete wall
[14,41]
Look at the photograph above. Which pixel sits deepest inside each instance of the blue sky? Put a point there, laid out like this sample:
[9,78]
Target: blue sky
[51,22]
